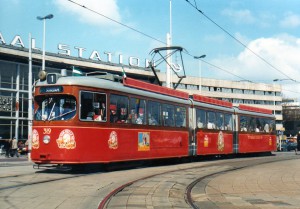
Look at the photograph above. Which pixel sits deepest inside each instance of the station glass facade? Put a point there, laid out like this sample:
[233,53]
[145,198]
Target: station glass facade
[14,98]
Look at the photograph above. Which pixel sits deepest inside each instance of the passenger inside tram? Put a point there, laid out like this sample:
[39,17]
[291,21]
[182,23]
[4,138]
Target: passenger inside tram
[267,128]
[243,128]
[152,121]
[199,123]
[258,129]
[140,116]
[113,113]
[211,125]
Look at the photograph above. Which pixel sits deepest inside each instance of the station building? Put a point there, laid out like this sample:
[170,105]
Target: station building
[14,68]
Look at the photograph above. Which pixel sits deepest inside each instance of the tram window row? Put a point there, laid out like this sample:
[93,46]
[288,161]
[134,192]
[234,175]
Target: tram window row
[214,120]
[133,110]
[130,110]
[255,124]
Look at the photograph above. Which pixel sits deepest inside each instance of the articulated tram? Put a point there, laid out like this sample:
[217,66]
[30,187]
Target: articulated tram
[107,118]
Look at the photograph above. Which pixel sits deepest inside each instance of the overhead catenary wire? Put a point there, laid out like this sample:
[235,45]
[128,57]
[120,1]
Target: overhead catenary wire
[124,25]
[149,36]
[232,36]
[155,39]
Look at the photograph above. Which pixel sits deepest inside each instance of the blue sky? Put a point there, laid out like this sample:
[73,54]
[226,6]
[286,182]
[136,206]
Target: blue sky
[269,28]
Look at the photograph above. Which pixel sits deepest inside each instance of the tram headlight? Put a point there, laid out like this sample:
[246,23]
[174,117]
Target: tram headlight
[46,139]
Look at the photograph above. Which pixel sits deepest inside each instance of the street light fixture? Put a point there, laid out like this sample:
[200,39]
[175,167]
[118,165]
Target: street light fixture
[49,16]
[287,79]
[200,69]
[275,80]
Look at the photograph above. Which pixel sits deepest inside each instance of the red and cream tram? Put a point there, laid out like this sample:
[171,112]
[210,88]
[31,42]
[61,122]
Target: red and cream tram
[104,118]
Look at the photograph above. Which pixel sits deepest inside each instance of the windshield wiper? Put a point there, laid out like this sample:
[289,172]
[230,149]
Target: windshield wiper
[51,110]
[66,113]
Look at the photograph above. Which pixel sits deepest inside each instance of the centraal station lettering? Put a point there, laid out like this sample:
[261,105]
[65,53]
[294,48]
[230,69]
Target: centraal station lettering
[67,50]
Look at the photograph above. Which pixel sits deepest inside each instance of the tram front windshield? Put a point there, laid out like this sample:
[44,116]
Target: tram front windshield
[55,107]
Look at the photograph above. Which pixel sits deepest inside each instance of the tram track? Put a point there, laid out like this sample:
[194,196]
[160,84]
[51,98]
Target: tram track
[34,175]
[166,184]
[194,176]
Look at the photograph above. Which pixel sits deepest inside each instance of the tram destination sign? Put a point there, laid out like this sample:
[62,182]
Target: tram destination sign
[81,52]
[51,89]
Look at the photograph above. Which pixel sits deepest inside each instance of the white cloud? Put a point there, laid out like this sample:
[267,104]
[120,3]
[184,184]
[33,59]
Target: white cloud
[282,52]
[239,16]
[107,8]
[290,20]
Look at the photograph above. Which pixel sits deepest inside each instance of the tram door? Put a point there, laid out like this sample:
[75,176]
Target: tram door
[236,133]
[192,132]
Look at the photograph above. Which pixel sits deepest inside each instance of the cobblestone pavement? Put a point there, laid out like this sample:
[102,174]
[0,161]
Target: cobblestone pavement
[275,185]
[271,185]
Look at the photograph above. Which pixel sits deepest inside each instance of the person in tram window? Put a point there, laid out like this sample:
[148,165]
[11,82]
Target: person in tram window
[98,115]
[257,129]
[103,111]
[243,128]
[123,115]
[140,118]
[211,125]
[132,116]
[267,128]
[199,123]
[152,120]
[113,113]
[228,127]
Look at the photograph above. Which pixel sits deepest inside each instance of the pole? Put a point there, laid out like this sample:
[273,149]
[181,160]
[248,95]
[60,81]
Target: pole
[17,102]
[275,112]
[44,42]
[29,98]
[171,21]
[169,58]
[200,70]
[200,75]
[49,16]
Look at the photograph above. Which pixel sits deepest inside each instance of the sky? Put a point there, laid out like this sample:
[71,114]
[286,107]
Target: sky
[250,40]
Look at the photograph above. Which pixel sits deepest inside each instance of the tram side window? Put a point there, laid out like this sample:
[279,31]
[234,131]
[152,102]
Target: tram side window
[180,117]
[168,115]
[220,121]
[211,120]
[118,108]
[243,123]
[272,126]
[137,111]
[228,122]
[154,113]
[268,125]
[93,106]
[252,125]
[265,125]
[201,118]
[259,125]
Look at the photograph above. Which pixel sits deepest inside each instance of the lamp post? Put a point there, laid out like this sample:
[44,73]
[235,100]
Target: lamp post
[275,80]
[200,69]
[50,16]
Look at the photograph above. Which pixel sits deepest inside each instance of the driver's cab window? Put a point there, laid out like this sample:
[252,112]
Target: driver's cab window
[55,107]
[93,106]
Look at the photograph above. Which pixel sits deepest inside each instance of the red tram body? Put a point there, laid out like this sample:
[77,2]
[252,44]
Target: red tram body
[104,119]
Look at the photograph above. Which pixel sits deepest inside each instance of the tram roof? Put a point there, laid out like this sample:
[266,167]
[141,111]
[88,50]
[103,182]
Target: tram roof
[255,109]
[130,86]
[248,110]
